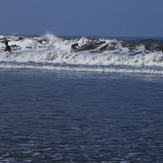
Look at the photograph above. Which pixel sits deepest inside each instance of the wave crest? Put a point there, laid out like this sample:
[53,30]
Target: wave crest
[49,49]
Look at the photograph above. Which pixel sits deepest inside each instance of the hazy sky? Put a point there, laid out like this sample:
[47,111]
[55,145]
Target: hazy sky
[82,17]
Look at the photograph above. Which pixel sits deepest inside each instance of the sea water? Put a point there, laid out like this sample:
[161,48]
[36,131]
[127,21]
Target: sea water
[49,52]
[65,116]
[99,103]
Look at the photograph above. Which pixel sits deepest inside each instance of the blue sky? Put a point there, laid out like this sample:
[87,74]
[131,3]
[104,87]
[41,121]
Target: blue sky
[141,18]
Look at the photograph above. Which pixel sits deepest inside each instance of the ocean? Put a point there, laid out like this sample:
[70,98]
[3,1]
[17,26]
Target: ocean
[100,103]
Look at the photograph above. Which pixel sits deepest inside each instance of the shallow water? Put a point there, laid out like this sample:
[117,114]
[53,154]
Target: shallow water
[66,116]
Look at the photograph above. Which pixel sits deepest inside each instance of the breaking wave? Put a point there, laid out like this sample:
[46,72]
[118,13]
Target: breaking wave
[99,55]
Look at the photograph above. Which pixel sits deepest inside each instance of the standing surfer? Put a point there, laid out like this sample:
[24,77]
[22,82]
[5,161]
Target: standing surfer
[7,48]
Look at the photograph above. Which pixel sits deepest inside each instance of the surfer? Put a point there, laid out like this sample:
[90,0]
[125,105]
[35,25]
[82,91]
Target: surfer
[75,46]
[7,48]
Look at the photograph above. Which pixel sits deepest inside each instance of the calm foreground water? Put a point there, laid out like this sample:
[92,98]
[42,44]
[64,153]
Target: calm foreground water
[73,117]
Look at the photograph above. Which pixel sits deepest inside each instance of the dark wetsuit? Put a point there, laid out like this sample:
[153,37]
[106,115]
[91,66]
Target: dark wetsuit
[74,46]
[7,48]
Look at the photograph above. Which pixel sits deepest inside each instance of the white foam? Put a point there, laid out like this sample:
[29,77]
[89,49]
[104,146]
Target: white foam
[51,49]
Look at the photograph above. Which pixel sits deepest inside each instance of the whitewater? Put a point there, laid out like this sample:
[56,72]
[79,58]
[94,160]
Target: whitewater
[100,103]
[50,52]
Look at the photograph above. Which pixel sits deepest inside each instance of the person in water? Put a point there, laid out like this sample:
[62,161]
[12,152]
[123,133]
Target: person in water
[7,48]
[74,46]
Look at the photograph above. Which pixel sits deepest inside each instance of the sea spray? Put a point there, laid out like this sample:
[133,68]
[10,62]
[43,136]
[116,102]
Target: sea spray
[99,54]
